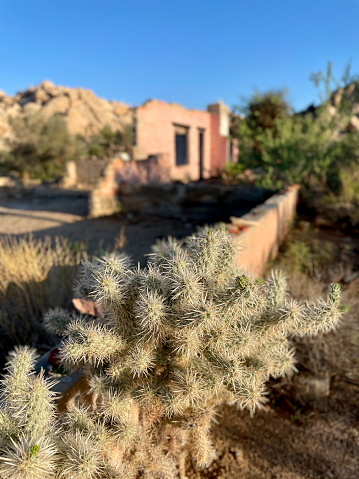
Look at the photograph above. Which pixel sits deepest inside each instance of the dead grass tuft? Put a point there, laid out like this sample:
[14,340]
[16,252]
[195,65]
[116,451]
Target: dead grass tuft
[35,275]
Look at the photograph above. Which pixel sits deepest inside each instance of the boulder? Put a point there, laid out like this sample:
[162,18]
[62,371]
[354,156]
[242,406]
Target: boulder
[80,120]
[59,104]
[337,97]
[355,109]
[7,101]
[353,124]
[41,96]
[350,90]
[48,88]
[330,112]
[85,113]
[4,126]
[13,110]
[31,108]
[120,108]
[73,95]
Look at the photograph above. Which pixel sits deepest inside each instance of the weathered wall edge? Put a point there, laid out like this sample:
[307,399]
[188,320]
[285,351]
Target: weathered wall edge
[262,230]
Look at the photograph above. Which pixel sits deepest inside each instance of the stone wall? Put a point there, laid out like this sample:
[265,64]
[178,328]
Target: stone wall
[84,173]
[196,203]
[261,231]
[105,197]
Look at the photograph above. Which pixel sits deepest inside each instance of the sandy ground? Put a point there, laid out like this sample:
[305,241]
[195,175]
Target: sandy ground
[67,217]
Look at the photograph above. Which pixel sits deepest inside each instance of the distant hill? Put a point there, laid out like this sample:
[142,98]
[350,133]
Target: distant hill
[86,114]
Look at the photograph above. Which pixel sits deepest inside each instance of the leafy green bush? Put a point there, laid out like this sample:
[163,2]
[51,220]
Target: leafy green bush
[299,150]
[303,148]
[190,331]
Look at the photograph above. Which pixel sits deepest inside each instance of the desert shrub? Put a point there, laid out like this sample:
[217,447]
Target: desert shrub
[349,184]
[176,339]
[261,112]
[303,255]
[311,263]
[300,150]
[107,142]
[34,275]
[307,148]
[40,147]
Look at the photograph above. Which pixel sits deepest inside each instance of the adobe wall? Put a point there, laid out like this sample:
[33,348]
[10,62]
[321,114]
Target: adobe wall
[83,173]
[262,230]
[155,122]
[104,198]
[219,147]
[219,137]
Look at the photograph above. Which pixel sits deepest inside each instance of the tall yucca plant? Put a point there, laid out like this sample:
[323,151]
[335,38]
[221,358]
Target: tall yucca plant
[188,332]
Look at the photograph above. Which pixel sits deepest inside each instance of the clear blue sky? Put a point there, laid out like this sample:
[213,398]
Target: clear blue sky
[192,52]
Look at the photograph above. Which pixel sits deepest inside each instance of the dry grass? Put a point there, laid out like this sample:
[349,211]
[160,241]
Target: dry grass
[312,263]
[34,275]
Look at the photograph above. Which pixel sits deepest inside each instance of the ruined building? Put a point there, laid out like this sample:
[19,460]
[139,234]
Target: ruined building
[195,142]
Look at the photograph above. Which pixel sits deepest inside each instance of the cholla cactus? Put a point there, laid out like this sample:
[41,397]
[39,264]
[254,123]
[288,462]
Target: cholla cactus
[27,420]
[188,332]
[177,338]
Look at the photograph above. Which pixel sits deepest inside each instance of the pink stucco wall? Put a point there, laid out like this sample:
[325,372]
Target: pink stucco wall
[219,147]
[155,133]
[265,228]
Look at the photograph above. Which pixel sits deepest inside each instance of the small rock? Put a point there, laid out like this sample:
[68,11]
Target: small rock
[309,388]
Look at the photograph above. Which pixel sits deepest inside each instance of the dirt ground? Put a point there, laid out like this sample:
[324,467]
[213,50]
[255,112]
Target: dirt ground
[289,439]
[66,216]
[292,438]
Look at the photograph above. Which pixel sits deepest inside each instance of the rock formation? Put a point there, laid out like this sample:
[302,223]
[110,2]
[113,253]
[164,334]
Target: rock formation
[86,114]
[345,100]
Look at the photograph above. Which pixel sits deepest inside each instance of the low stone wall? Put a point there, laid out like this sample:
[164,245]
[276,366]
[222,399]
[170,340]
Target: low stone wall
[197,202]
[128,188]
[262,230]
[84,174]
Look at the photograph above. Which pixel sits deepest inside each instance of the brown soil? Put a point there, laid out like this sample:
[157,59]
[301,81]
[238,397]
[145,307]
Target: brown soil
[288,440]
[292,439]
[67,217]
[270,445]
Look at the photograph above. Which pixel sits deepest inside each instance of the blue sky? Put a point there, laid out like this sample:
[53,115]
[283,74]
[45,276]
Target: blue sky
[192,52]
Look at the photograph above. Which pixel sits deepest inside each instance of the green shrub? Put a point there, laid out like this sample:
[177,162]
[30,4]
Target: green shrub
[188,332]
[107,142]
[301,148]
[39,148]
